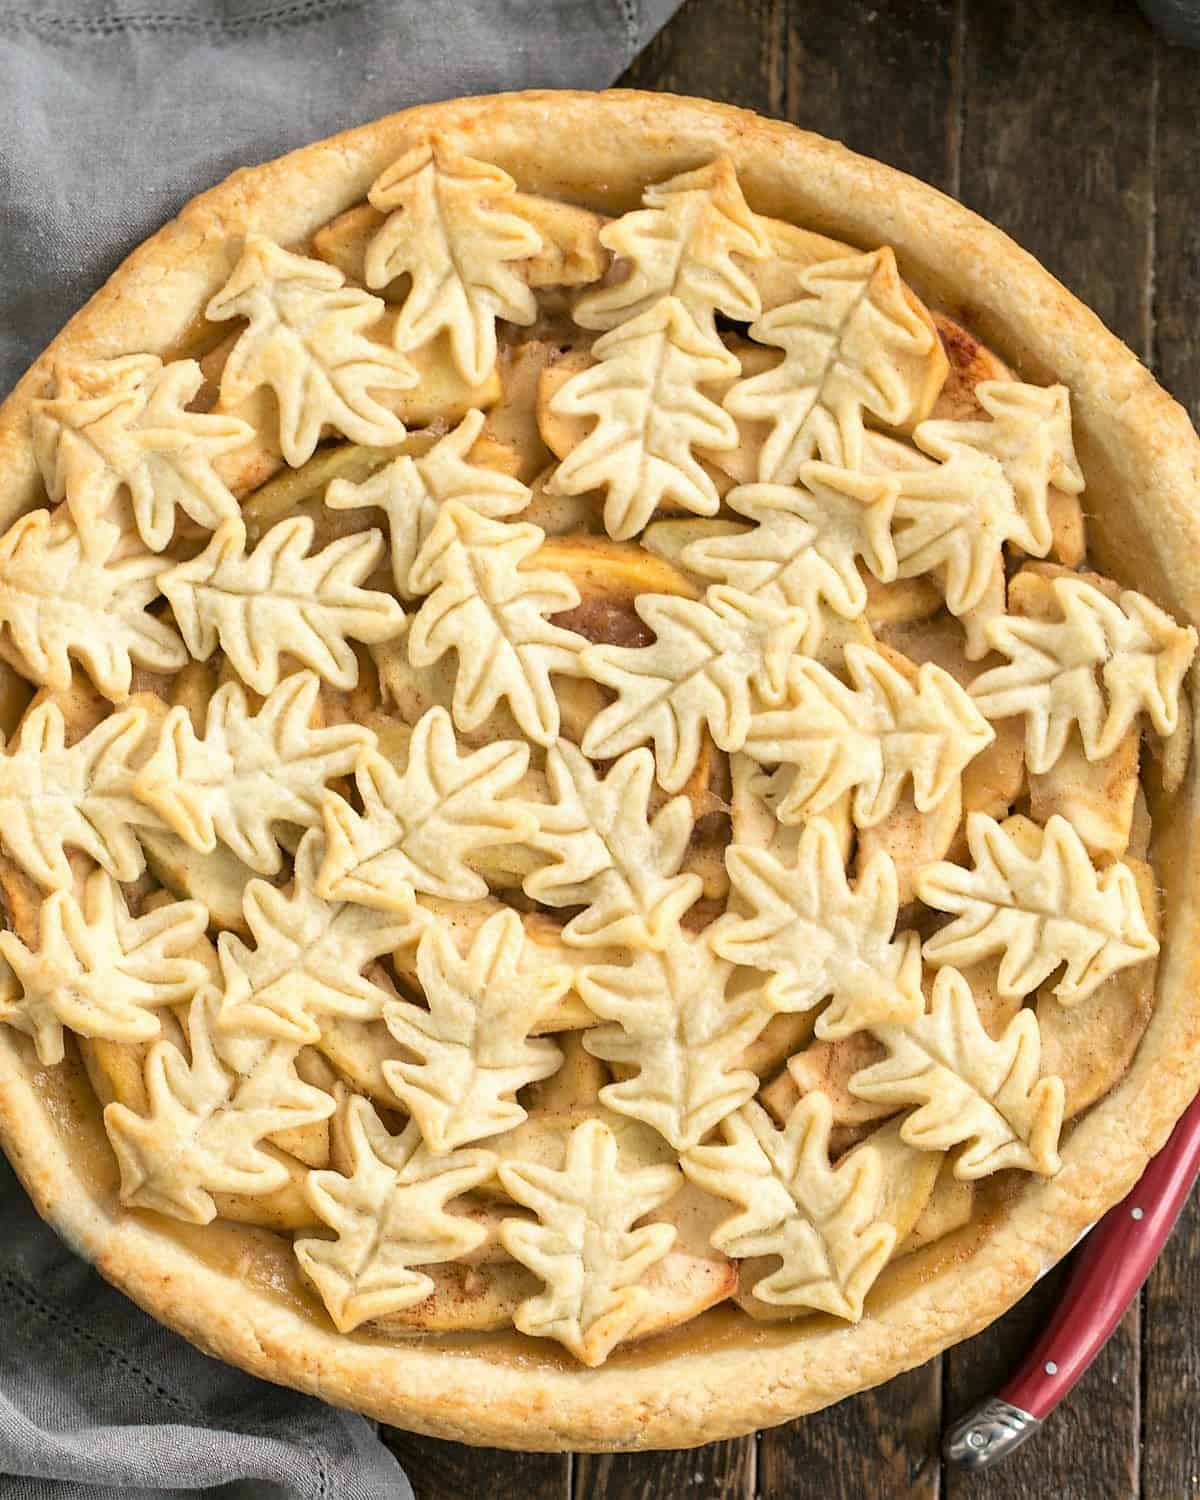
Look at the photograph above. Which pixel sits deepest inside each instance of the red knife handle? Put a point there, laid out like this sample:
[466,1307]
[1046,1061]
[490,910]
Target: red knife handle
[1103,1280]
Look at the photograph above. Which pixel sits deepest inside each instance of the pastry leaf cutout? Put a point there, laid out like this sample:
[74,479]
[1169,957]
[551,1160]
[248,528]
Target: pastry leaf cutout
[491,612]
[1099,667]
[1029,435]
[98,971]
[124,422]
[412,491]
[418,827]
[806,543]
[971,1091]
[1037,911]
[208,1113]
[671,1018]
[247,772]
[584,1247]
[955,518]
[992,486]
[451,227]
[817,938]
[608,856]
[644,392]
[60,601]
[277,601]
[871,737]
[682,244]
[305,342]
[711,663]
[308,957]
[389,1215]
[472,1045]
[855,345]
[819,1220]
[54,797]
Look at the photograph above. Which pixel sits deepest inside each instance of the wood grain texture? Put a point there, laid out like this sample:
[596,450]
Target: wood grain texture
[882,1443]
[879,75]
[1057,137]
[1090,1444]
[1177,226]
[1171,1352]
[727,50]
[1170,1465]
[1172,1365]
[449,1471]
[721,1471]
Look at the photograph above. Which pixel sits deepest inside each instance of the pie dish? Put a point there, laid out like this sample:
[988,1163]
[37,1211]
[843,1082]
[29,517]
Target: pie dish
[598,836]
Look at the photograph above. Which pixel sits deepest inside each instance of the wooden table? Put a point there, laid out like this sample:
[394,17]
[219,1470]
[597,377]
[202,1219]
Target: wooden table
[1065,122]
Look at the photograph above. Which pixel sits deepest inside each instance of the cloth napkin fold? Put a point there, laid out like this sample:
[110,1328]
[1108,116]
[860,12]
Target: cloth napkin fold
[112,114]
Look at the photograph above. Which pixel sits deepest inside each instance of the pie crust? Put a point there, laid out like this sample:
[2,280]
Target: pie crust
[239,1290]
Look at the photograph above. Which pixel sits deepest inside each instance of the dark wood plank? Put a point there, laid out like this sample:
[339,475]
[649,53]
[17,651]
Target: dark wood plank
[1171,1359]
[1177,227]
[727,50]
[1090,1445]
[880,76]
[721,1471]
[1057,144]
[1171,1459]
[884,1442]
[448,1471]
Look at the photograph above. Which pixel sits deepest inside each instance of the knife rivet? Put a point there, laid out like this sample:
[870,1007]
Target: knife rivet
[1137,1213]
[1051,1367]
[976,1440]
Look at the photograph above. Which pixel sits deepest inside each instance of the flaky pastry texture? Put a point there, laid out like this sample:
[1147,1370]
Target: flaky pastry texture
[597,808]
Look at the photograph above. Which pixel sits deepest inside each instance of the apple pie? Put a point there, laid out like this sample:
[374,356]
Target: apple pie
[597,811]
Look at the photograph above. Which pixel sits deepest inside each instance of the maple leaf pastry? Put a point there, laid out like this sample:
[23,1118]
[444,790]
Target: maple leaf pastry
[598,835]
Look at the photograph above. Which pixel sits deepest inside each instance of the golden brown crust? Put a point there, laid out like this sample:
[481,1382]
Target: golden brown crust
[721,1375]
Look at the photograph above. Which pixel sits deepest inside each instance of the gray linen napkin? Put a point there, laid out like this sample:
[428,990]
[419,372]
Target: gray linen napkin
[112,114]
[1176,21]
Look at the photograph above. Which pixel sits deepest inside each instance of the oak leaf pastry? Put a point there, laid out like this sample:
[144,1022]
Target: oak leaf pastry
[124,424]
[597,808]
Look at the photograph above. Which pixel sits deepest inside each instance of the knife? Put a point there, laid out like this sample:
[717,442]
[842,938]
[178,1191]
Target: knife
[1104,1278]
